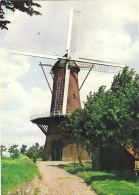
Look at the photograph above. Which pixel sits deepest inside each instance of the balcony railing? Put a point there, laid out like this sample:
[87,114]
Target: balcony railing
[51,114]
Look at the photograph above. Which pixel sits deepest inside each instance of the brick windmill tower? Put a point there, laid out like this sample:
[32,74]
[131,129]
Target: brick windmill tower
[65,94]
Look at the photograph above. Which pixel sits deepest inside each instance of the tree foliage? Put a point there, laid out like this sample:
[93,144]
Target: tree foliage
[30,152]
[108,116]
[26,6]
[14,152]
[35,149]
[40,152]
[3,149]
[24,151]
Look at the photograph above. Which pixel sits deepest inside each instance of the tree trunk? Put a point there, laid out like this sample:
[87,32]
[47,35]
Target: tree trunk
[79,155]
[95,158]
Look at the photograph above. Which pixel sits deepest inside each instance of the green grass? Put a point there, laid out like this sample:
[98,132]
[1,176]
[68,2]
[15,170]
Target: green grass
[39,159]
[16,172]
[105,183]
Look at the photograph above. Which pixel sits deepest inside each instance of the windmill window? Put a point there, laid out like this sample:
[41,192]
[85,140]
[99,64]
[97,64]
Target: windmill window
[74,96]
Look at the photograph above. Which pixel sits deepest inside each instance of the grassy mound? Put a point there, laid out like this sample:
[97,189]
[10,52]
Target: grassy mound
[15,172]
[105,183]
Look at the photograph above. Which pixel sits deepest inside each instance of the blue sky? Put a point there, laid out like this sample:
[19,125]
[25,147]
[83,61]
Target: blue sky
[108,30]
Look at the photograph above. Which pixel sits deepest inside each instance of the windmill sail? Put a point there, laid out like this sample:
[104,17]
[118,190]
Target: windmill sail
[67,75]
[34,54]
[58,92]
[72,31]
[98,65]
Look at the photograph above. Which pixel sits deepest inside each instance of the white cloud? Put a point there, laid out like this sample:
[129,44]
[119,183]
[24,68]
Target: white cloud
[122,11]
[12,67]
[105,36]
[16,124]
[18,104]
[40,101]
[13,96]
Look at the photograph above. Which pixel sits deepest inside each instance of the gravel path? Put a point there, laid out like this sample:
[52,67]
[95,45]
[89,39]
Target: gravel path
[56,181]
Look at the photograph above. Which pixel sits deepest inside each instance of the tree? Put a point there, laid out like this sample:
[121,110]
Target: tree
[108,116]
[125,100]
[94,109]
[35,149]
[14,152]
[30,152]
[23,149]
[3,149]
[40,152]
[112,114]
[26,6]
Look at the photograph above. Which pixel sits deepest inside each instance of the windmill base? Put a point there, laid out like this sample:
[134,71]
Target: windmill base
[57,149]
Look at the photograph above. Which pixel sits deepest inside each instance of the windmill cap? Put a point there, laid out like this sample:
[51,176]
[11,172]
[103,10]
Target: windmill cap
[61,63]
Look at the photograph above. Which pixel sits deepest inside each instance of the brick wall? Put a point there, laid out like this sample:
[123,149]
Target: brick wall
[73,101]
[69,150]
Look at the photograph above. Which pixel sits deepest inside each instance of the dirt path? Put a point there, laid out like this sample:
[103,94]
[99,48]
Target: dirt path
[56,181]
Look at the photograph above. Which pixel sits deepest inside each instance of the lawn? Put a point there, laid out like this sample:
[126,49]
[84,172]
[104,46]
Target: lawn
[15,172]
[105,183]
[39,159]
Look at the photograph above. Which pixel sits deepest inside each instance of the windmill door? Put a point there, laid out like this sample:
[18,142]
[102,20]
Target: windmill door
[56,151]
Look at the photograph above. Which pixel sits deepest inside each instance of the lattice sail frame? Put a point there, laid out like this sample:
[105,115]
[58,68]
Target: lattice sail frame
[72,31]
[99,67]
[76,15]
[58,103]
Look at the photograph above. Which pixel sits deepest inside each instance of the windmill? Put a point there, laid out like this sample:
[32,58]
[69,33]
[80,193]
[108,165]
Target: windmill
[65,93]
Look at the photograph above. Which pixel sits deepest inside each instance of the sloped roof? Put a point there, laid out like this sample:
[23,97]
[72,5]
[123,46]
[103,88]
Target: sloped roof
[61,63]
[131,151]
